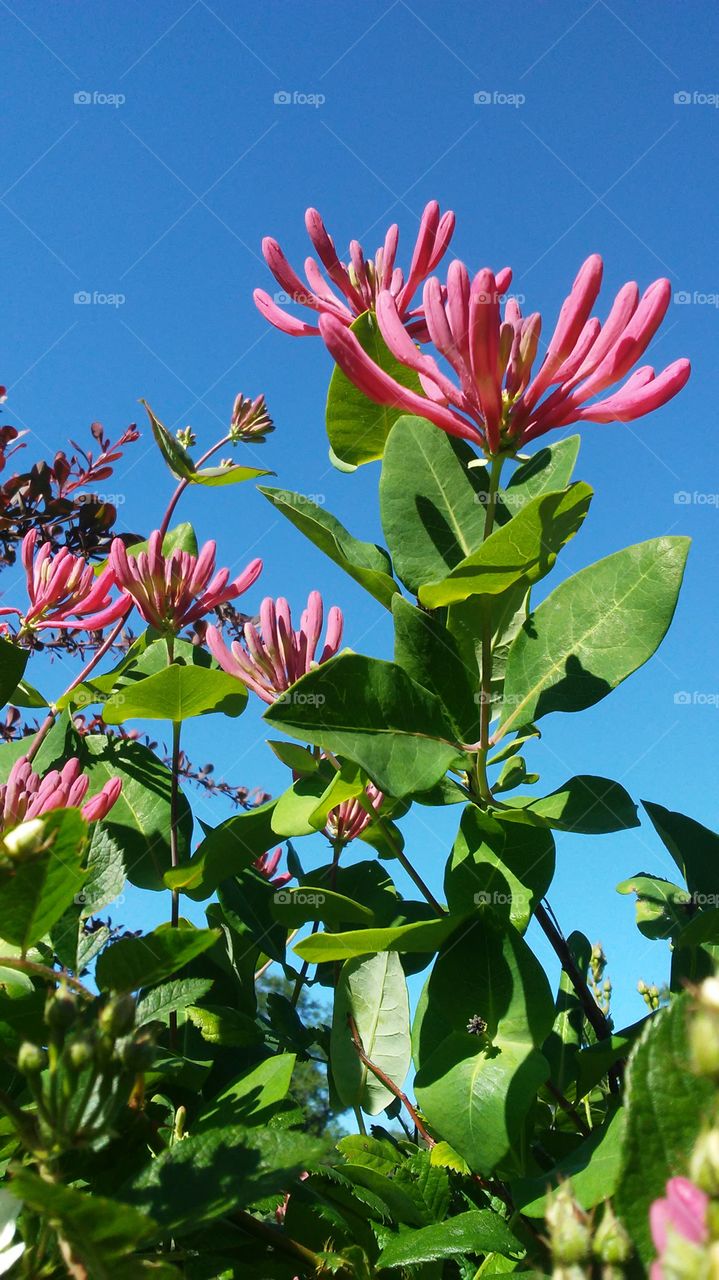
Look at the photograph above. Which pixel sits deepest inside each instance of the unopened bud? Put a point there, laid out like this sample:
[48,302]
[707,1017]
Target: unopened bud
[136,1053]
[60,1010]
[117,1017]
[704,1165]
[31,1059]
[80,1054]
[186,437]
[611,1242]
[704,1042]
[570,1235]
[25,841]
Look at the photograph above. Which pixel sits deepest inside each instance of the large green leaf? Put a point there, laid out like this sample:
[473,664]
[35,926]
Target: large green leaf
[211,1173]
[295,906]
[140,819]
[374,992]
[37,885]
[252,1096]
[500,864]
[363,561]
[473,1232]
[550,468]
[666,1109]
[477,1090]
[429,653]
[373,713]
[131,963]
[694,848]
[593,631]
[585,804]
[593,1167]
[177,693]
[522,551]
[357,427]
[13,661]
[225,851]
[432,503]
[421,936]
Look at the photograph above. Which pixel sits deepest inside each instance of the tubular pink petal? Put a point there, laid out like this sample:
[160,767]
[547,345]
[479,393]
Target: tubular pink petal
[634,401]
[333,636]
[281,319]
[284,274]
[503,279]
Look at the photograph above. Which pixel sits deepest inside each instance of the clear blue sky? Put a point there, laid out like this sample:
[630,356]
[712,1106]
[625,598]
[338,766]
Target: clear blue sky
[165,197]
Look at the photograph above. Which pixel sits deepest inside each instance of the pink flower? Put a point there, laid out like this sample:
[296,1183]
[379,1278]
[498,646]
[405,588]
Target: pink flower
[173,592]
[63,584]
[275,657]
[358,282]
[496,402]
[26,795]
[681,1217]
[267,864]
[350,818]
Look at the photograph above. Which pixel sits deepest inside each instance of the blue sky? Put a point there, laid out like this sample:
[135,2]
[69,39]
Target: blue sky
[160,188]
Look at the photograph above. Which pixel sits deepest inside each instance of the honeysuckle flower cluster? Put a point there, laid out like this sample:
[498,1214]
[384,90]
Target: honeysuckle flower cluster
[360,281]
[27,795]
[172,592]
[273,658]
[497,401]
[267,864]
[351,818]
[60,586]
[680,1232]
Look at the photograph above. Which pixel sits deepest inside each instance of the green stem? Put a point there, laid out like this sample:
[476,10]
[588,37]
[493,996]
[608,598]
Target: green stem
[485,705]
[184,483]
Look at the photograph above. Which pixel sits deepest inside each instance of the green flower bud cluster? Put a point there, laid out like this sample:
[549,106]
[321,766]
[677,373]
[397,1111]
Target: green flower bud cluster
[578,1244]
[704,1030]
[84,1073]
[651,995]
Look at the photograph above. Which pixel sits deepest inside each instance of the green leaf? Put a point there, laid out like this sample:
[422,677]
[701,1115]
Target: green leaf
[177,693]
[473,1232]
[702,930]
[662,907]
[593,1167]
[172,997]
[522,551]
[295,906]
[476,1091]
[593,631]
[36,888]
[666,1109]
[373,713]
[500,865]
[252,1097]
[374,992]
[27,696]
[424,935]
[304,807]
[211,1173]
[585,804]
[428,652]
[366,563]
[432,503]
[694,848]
[182,466]
[13,661]
[550,468]
[357,427]
[140,819]
[225,851]
[131,963]
[223,1026]
[594,1062]
[100,1231]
